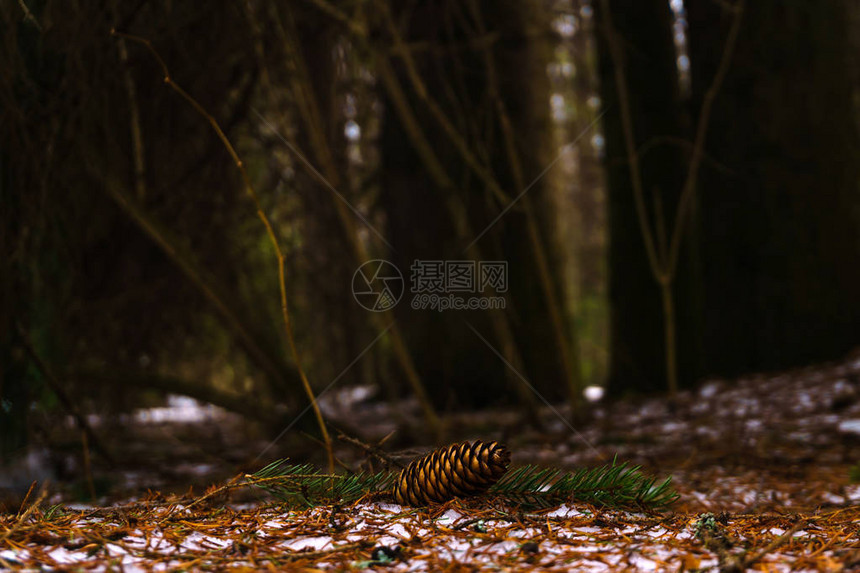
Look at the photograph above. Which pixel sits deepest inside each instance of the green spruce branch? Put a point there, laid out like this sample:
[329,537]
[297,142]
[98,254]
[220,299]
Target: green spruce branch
[613,485]
[304,486]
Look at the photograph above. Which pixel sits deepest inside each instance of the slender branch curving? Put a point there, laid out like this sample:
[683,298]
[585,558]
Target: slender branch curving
[265,220]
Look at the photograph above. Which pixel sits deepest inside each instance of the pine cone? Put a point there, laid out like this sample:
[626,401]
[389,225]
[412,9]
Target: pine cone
[459,470]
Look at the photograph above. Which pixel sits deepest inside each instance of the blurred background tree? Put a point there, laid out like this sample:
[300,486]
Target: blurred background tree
[768,269]
[778,231]
[478,138]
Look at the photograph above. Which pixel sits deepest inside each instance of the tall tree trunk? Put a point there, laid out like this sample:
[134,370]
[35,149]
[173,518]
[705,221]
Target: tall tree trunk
[448,356]
[591,235]
[780,244]
[14,394]
[637,321]
[330,266]
[544,327]
[458,77]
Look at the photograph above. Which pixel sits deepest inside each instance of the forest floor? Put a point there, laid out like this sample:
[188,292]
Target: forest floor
[767,468]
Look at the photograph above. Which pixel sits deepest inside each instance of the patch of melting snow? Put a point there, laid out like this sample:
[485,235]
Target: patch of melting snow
[243,506]
[79,506]
[200,541]
[312,543]
[458,546]
[842,385]
[673,427]
[449,516]
[802,437]
[830,497]
[709,390]
[849,426]
[565,511]
[657,532]
[686,534]
[588,529]
[387,540]
[389,507]
[642,563]
[805,399]
[9,555]
[397,530]
[63,556]
[707,431]
[522,533]
[179,409]
[136,540]
[114,550]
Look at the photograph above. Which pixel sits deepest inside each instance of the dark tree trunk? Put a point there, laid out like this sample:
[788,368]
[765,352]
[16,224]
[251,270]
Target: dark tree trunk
[14,393]
[454,364]
[780,232]
[521,60]
[330,257]
[637,356]
[457,365]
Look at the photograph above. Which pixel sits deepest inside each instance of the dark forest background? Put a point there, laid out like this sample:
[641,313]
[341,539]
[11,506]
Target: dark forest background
[700,216]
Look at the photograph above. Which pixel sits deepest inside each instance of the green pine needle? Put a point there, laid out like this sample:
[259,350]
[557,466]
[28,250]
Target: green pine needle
[611,485]
[304,485]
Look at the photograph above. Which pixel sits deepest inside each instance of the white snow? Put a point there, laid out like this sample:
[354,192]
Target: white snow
[593,393]
[849,426]
[179,409]
[450,516]
[315,543]
[63,556]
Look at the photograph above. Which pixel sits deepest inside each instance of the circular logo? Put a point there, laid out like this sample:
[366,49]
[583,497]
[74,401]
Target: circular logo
[377,285]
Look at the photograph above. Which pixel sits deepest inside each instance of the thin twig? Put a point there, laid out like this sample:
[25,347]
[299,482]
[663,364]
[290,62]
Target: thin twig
[701,134]
[663,261]
[568,349]
[29,15]
[134,114]
[232,484]
[337,460]
[685,144]
[371,450]
[572,371]
[310,114]
[265,220]
[26,497]
[325,6]
[623,92]
[435,169]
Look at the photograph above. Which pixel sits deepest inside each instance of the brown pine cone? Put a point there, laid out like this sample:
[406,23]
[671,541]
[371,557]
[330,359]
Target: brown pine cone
[458,470]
